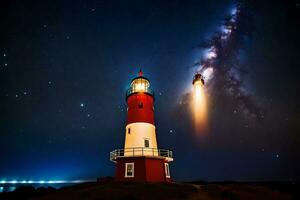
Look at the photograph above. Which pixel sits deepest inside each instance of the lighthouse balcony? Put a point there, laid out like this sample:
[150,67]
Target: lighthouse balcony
[131,91]
[141,152]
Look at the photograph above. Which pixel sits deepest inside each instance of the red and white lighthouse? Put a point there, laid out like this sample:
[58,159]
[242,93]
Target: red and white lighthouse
[141,160]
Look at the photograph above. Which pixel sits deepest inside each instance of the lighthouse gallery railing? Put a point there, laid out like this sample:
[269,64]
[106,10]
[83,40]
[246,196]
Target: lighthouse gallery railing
[140,151]
[131,91]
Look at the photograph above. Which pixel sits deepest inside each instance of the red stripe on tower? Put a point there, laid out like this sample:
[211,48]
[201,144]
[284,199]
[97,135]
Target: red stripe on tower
[140,108]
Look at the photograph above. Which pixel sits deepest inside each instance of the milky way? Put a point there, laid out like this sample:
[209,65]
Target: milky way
[221,64]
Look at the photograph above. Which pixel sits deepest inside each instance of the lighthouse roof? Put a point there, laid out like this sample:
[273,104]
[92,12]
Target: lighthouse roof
[139,84]
[141,76]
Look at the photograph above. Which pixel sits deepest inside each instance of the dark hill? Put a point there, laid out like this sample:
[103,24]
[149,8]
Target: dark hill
[157,191]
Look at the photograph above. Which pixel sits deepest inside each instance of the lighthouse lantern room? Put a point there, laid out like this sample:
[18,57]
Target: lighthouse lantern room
[141,160]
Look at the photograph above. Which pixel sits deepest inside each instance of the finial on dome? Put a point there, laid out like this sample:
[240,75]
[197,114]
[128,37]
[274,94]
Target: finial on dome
[140,72]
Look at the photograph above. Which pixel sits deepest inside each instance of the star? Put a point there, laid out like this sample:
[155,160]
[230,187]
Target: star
[88,115]
[277,155]
[82,105]
[5,64]
[17,95]
[4,55]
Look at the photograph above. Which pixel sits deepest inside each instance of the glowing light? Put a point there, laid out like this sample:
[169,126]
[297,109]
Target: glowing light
[226,30]
[42,181]
[61,181]
[211,53]
[140,85]
[200,107]
[208,73]
[233,11]
[77,181]
[224,37]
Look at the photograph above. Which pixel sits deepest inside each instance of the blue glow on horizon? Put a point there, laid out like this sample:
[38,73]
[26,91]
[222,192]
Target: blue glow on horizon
[43,181]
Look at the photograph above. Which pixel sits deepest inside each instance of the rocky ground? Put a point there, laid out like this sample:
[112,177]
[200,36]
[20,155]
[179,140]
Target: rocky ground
[157,191]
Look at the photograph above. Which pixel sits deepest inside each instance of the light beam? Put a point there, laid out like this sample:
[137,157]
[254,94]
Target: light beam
[199,107]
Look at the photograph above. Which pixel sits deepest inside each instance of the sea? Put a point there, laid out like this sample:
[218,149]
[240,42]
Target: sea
[10,186]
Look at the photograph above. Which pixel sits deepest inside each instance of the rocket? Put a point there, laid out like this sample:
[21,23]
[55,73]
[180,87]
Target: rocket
[198,78]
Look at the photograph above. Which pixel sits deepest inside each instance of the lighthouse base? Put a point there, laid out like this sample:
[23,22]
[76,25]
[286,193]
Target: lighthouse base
[142,169]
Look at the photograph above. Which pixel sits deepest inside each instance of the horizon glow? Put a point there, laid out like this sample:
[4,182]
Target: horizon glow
[43,181]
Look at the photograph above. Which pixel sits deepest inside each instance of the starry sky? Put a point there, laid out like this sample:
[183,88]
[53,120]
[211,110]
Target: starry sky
[65,67]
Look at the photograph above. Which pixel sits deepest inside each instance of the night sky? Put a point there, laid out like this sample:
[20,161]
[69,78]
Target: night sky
[65,67]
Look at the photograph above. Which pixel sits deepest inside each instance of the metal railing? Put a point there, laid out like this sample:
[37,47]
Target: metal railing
[140,151]
[131,91]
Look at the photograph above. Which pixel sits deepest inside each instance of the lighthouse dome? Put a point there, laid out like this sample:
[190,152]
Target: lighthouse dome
[139,84]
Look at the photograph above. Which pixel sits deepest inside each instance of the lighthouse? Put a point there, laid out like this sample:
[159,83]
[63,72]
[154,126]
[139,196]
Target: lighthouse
[141,160]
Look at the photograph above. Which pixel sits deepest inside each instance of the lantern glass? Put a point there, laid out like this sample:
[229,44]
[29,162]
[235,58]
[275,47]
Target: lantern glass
[140,85]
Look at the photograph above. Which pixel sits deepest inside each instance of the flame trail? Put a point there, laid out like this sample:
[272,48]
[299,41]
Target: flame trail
[199,107]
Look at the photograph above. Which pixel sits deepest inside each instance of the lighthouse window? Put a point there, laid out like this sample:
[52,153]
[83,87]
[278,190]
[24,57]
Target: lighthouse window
[167,170]
[140,105]
[146,142]
[129,169]
[128,130]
